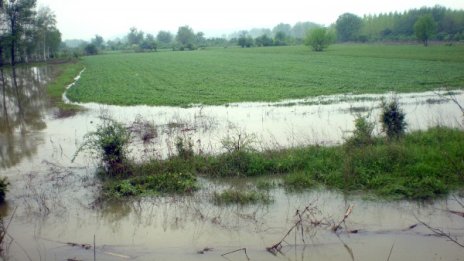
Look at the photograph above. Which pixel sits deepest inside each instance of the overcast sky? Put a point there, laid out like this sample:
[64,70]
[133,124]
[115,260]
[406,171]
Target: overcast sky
[82,19]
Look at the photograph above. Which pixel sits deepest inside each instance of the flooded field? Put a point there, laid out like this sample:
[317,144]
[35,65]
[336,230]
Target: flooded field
[54,213]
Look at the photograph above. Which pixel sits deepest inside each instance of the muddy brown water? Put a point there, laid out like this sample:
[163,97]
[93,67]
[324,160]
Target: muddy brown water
[52,202]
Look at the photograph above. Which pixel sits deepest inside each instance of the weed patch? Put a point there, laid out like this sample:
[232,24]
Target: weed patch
[233,196]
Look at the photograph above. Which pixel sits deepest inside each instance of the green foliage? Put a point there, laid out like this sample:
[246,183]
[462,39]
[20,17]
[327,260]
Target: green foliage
[393,119]
[184,148]
[348,27]
[425,28]
[91,49]
[245,41]
[110,142]
[263,40]
[319,39]
[185,37]
[266,185]
[151,184]
[299,181]
[3,188]
[265,74]
[241,197]
[362,134]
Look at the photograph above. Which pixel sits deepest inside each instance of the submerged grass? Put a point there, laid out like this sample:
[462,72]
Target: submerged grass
[421,165]
[241,197]
[418,165]
[55,89]
[221,76]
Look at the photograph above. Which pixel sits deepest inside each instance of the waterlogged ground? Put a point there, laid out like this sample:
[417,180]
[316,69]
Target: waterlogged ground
[53,203]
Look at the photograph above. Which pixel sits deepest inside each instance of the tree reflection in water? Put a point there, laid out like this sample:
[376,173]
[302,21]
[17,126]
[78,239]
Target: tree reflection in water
[23,102]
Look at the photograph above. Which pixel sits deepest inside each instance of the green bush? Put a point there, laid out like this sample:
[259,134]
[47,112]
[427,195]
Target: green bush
[110,142]
[362,134]
[393,119]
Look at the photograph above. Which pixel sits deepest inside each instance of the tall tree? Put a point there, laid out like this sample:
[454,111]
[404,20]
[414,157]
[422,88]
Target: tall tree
[98,41]
[19,14]
[164,37]
[135,37]
[185,37]
[348,27]
[424,28]
[45,22]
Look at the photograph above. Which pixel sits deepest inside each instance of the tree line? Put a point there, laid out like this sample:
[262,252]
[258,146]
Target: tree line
[27,34]
[443,25]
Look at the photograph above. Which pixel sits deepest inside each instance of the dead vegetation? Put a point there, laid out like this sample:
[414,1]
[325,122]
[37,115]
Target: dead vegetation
[309,218]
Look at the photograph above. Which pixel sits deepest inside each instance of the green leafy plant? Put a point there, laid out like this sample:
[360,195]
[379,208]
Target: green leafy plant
[362,134]
[184,148]
[109,142]
[393,119]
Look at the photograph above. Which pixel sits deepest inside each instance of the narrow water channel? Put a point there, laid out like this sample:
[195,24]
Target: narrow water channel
[55,214]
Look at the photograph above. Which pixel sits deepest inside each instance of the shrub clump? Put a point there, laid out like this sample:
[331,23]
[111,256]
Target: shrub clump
[163,183]
[393,119]
[109,142]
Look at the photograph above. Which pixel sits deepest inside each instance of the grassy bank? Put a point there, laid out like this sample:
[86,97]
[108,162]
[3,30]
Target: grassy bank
[67,73]
[420,165]
[224,75]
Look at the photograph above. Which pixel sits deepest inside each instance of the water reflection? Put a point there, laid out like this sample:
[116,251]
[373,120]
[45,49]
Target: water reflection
[23,104]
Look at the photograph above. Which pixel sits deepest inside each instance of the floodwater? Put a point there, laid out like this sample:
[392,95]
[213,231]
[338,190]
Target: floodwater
[53,212]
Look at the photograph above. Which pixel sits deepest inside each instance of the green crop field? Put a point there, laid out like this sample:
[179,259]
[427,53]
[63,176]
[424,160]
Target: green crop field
[224,75]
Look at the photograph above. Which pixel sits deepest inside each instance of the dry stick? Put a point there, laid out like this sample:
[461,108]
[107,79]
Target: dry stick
[441,233]
[94,253]
[391,251]
[240,249]
[458,201]
[347,213]
[276,247]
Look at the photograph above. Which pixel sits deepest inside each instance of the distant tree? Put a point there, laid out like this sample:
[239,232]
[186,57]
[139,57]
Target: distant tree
[425,28]
[186,37]
[348,27]
[149,43]
[200,39]
[245,40]
[300,29]
[280,38]
[286,29]
[135,37]
[98,42]
[91,49]
[264,40]
[164,38]
[319,39]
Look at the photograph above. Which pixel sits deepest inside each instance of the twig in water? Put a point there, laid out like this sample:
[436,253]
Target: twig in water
[391,251]
[94,253]
[278,246]
[347,213]
[441,233]
[240,249]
